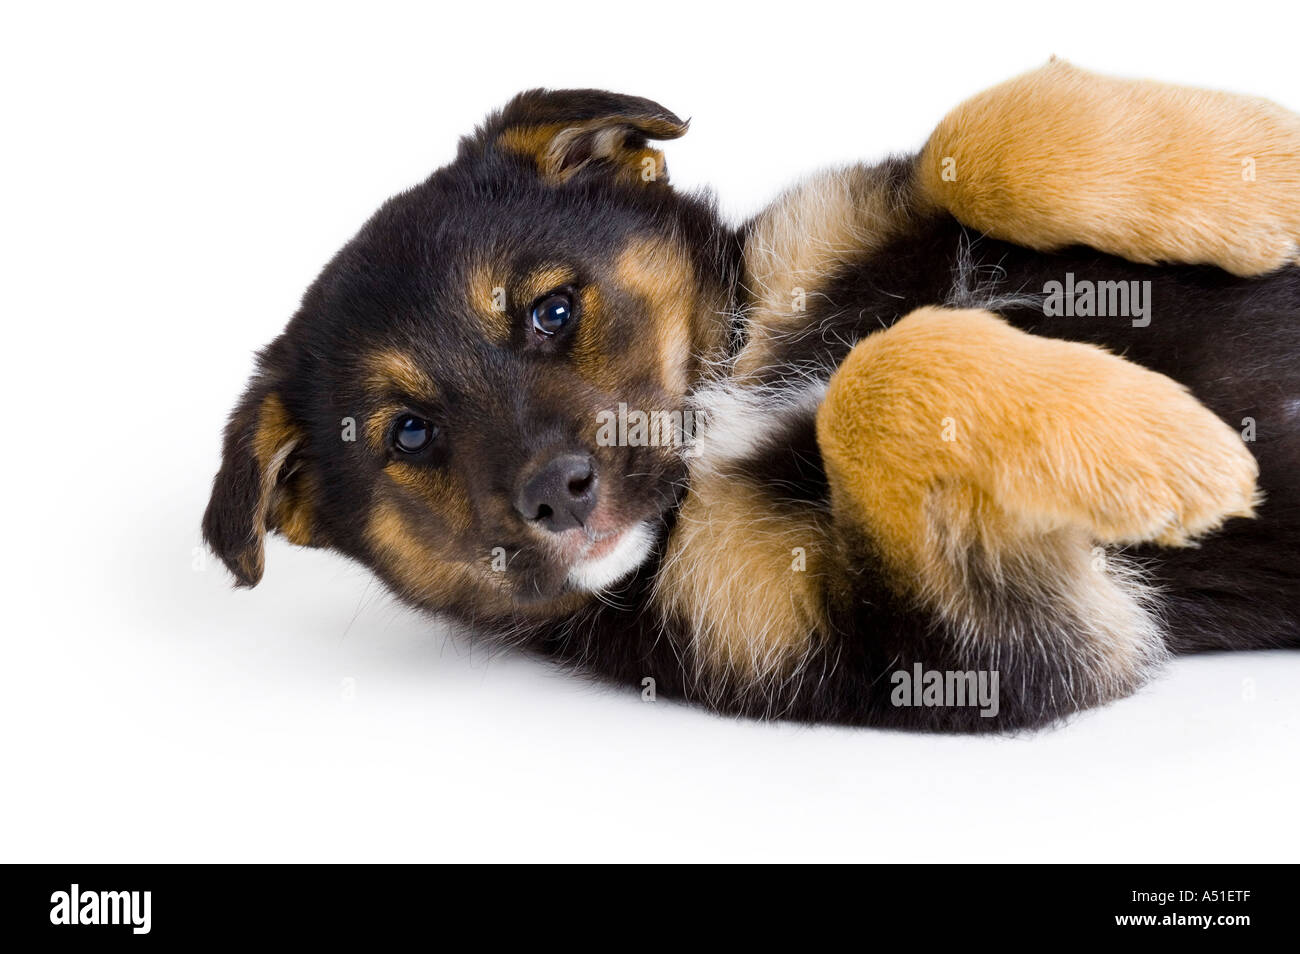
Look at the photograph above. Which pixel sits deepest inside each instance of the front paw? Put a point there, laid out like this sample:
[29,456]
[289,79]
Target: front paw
[1051,433]
[1128,454]
[1179,474]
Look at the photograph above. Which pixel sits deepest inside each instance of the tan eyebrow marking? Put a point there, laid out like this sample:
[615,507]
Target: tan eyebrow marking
[497,297]
[386,370]
[543,279]
[489,300]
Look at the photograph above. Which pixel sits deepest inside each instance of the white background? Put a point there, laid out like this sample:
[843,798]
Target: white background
[172,180]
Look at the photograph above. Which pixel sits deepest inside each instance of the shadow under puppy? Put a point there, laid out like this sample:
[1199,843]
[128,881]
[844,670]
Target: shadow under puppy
[880,469]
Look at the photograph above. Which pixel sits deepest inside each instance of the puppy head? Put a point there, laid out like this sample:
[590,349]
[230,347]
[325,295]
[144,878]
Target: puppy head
[440,406]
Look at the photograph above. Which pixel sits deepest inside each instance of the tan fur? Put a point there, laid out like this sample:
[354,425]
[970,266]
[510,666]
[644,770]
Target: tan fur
[607,138]
[292,512]
[834,218]
[388,371]
[983,466]
[439,492]
[416,563]
[591,354]
[392,374]
[426,570]
[1149,171]
[517,294]
[274,432]
[278,506]
[544,279]
[730,573]
[377,425]
[658,272]
[482,285]
[1045,435]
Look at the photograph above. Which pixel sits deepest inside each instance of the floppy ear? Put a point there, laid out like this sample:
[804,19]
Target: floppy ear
[258,487]
[571,131]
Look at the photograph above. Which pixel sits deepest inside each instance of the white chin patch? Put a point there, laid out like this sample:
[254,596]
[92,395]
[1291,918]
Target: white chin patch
[630,552]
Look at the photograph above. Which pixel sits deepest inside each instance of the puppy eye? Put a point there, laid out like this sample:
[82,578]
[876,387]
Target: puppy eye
[552,313]
[413,434]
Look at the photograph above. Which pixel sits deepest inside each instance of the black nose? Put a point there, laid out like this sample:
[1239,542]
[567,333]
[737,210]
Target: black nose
[560,494]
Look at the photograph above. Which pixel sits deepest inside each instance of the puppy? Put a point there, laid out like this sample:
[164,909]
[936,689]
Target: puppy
[871,458]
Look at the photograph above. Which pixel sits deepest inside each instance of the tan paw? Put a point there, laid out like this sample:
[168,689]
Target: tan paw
[1148,171]
[1125,452]
[1051,433]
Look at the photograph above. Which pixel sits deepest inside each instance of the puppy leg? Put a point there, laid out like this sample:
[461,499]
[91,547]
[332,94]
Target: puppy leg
[1148,171]
[980,466]
[745,573]
[1053,433]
